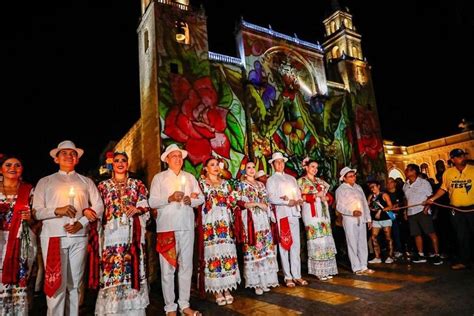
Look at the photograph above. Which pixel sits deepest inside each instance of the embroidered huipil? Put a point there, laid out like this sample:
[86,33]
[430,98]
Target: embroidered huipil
[221,271]
[321,247]
[13,298]
[116,294]
[260,262]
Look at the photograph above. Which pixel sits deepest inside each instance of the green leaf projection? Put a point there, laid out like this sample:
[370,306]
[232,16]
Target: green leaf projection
[279,100]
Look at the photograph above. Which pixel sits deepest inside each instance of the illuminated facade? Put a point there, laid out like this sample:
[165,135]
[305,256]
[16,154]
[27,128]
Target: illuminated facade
[280,94]
[427,155]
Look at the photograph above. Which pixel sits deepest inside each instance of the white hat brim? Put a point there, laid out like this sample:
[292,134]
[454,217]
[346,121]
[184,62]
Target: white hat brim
[54,152]
[166,153]
[341,178]
[273,159]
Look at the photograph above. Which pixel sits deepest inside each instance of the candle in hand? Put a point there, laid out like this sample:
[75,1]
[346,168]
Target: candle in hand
[182,187]
[294,197]
[293,193]
[72,195]
[358,208]
[183,183]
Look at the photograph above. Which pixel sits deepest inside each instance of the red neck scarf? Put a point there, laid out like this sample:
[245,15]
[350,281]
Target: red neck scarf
[11,263]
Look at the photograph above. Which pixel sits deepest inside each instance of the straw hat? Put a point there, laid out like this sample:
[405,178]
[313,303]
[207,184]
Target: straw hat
[277,155]
[171,148]
[67,144]
[345,171]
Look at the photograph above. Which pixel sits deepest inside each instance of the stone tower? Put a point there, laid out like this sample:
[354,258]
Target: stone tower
[344,57]
[168,32]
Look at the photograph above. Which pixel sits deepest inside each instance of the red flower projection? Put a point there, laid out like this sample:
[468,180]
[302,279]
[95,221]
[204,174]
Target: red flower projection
[370,142]
[197,120]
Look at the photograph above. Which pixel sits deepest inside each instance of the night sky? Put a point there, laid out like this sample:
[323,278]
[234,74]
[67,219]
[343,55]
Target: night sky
[81,57]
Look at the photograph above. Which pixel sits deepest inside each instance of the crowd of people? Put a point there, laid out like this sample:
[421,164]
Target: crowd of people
[239,229]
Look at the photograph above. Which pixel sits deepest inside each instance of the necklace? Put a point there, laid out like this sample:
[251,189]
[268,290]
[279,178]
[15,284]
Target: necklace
[10,191]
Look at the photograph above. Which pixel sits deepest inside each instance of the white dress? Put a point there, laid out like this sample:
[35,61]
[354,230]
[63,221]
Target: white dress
[260,262]
[116,296]
[321,247]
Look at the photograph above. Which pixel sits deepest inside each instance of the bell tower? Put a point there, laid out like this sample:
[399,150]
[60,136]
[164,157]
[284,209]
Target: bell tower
[341,35]
[173,53]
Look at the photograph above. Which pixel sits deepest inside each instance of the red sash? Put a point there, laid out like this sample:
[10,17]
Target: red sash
[330,198]
[251,240]
[311,199]
[135,252]
[166,246]
[93,251]
[238,225]
[274,227]
[285,234]
[11,263]
[52,274]
[201,261]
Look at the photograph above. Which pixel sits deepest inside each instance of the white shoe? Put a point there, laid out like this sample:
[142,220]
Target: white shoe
[329,277]
[323,278]
[258,291]
[389,260]
[266,289]
[398,254]
[375,260]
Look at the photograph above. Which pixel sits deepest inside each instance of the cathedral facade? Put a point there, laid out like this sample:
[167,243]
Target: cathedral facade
[280,94]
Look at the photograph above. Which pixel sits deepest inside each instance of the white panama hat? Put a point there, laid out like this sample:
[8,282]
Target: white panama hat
[66,144]
[345,171]
[277,155]
[171,148]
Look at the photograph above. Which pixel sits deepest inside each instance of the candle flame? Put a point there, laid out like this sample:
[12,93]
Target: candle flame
[72,193]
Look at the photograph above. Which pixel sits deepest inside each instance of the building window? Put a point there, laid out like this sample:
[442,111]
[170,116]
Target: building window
[347,23]
[424,168]
[355,53]
[174,68]
[146,41]
[336,53]
[333,27]
[182,32]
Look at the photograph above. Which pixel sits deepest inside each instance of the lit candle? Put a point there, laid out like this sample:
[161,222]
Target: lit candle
[72,195]
[293,196]
[358,208]
[182,187]
[183,183]
[293,193]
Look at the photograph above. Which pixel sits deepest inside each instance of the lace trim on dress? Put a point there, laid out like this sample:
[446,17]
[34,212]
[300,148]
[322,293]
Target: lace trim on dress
[322,268]
[261,273]
[122,298]
[216,285]
[220,250]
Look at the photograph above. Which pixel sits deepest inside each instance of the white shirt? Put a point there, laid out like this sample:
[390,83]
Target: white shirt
[351,198]
[417,192]
[281,184]
[53,191]
[174,216]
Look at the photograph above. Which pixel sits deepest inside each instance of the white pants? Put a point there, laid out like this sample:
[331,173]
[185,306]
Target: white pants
[73,259]
[356,238]
[292,257]
[184,252]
